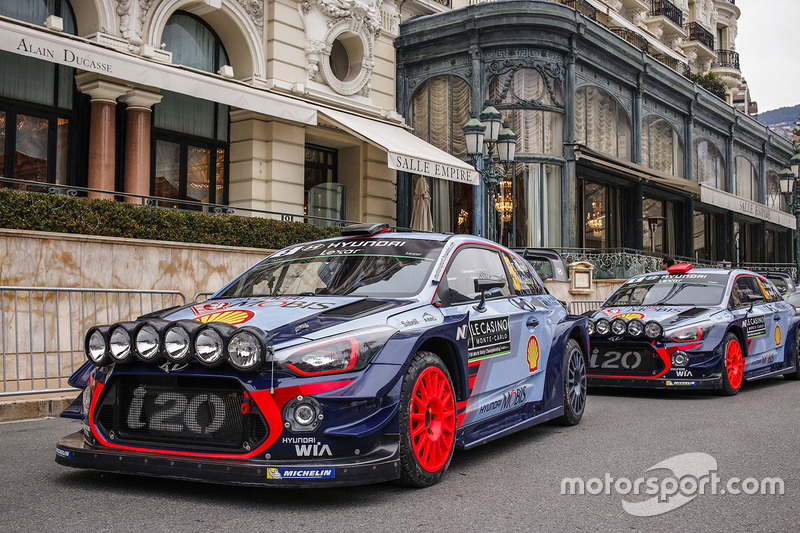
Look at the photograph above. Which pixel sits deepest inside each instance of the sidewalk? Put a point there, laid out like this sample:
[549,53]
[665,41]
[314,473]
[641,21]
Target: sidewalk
[28,406]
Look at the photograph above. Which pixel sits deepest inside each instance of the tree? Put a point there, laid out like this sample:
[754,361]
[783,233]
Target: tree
[711,82]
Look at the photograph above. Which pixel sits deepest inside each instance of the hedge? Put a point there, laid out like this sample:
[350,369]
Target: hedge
[84,216]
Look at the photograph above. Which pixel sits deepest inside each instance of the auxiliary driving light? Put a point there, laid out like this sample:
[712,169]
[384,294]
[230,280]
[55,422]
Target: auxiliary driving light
[245,351]
[635,328]
[619,326]
[680,358]
[590,328]
[96,346]
[653,329]
[176,344]
[602,327]
[209,347]
[120,344]
[147,343]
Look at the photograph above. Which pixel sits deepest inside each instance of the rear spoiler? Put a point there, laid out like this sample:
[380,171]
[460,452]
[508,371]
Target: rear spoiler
[549,256]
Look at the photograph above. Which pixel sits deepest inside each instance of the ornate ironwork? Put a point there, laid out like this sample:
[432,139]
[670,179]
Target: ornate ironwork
[678,66]
[631,36]
[581,6]
[727,59]
[698,33]
[665,8]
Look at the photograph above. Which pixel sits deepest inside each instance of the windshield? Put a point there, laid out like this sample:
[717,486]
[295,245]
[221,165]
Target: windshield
[671,289]
[390,268]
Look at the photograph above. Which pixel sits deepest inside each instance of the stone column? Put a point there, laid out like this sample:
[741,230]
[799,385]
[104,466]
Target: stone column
[137,142]
[102,131]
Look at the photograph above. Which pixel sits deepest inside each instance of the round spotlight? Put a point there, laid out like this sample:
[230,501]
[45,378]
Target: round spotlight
[619,326]
[244,351]
[208,347]
[147,343]
[120,344]
[635,328]
[96,348]
[653,329]
[590,328]
[305,414]
[176,344]
[602,327]
[680,359]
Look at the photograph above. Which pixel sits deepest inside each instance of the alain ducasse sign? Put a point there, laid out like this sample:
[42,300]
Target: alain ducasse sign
[63,55]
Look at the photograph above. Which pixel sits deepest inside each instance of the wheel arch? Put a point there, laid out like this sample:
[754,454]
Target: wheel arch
[449,354]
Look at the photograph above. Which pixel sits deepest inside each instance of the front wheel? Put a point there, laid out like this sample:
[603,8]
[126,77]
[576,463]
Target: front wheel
[574,384]
[733,372]
[427,421]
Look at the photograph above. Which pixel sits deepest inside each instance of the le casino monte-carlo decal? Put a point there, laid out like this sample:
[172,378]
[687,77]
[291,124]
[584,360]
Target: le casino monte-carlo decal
[486,338]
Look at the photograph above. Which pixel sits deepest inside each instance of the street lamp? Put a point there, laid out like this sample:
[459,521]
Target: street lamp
[789,177]
[491,144]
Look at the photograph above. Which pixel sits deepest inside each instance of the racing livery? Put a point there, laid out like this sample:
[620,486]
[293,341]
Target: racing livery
[350,360]
[693,328]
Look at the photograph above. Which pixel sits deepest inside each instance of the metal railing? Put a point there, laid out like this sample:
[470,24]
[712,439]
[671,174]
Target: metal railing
[581,6]
[578,307]
[727,59]
[631,36]
[678,66]
[698,33]
[42,329]
[665,8]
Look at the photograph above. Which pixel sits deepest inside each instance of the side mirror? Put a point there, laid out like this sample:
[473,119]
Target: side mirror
[753,299]
[483,286]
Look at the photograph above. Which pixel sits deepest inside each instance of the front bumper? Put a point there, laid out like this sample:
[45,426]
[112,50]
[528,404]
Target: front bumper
[382,464]
[711,382]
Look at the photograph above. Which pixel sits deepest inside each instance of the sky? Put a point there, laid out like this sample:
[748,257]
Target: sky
[767,46]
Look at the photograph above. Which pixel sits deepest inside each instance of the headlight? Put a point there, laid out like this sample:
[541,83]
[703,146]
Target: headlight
[147,345]
[602,327]
[96,347]
[619,327]
[635,328]
[209,347]
[119,344]
[653,329]
[176,344]
[336,354]
[246,351]
[696,332]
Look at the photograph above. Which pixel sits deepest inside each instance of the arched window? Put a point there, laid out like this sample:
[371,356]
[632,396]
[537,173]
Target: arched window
[661,147]
[601,123]
[709,167]
[35,102]
[746,179]
[439,108]
[190,158]
[775,199]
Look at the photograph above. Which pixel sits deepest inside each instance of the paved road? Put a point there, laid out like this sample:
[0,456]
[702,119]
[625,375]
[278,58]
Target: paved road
[513,484]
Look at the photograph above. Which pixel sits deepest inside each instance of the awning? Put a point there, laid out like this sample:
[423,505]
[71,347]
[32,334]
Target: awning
[743,206]
[406,151]
[89,56]
[638,172]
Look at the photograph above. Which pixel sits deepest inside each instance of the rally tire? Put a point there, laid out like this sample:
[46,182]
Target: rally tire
[794,376]
[427,421]
[732,365]
[574,377]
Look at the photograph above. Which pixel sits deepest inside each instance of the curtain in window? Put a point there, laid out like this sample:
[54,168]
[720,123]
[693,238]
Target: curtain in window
[601,123]
[191,42]
[27,79]
[198,178]
[775,199]
[746,182]
[708,167]
[661,146]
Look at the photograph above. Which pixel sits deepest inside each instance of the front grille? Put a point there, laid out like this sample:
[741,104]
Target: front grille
[191,413]
[624,359]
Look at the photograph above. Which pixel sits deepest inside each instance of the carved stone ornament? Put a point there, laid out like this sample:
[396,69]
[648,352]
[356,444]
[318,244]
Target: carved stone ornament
[255,10]
[132,14]
[355,24]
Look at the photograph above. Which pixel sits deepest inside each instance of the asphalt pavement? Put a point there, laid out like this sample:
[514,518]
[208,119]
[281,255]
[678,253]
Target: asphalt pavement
[513,484]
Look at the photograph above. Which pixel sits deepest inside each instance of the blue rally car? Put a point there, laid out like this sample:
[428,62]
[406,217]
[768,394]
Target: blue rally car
[699,328]
[351,360]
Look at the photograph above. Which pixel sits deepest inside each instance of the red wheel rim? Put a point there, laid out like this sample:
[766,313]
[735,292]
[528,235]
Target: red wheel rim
[734,363]
[432,419]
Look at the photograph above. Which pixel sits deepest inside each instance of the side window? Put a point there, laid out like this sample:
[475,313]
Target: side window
[521,277]
[743,288]
[769,289]
[471,264]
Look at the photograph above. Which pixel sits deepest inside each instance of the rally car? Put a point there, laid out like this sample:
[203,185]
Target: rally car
[704,328]
[351,360]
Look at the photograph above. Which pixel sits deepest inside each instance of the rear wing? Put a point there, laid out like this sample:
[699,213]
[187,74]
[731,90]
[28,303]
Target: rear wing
[552,265]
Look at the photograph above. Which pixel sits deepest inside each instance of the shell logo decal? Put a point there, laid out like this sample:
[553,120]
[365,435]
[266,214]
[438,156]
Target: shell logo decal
[533,354]
[777,335]
[235,317]
[630,316]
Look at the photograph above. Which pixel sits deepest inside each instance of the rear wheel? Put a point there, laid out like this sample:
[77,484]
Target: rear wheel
[427,421]
[574,384]
[733,371]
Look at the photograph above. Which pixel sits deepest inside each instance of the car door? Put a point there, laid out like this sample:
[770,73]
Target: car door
[749,300]
[778,328]
[498,368]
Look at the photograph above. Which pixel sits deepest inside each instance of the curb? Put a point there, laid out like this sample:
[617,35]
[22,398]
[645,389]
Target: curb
[21,408]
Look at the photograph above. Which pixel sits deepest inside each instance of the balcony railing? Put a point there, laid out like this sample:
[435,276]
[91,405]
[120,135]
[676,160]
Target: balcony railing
[581,6]
[631,36]
[727,59]
[664,8]
[698,33]
[678,66]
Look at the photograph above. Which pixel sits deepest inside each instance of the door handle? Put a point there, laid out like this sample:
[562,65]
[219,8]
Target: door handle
[532,322]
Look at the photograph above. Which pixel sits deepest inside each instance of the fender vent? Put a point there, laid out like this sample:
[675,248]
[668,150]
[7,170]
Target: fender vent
[356,309]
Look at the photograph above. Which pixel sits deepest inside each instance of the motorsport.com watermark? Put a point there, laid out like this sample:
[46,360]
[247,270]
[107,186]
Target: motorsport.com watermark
[692,474]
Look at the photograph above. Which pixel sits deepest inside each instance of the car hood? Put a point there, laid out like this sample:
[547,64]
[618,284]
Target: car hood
[667,315]
[293,317]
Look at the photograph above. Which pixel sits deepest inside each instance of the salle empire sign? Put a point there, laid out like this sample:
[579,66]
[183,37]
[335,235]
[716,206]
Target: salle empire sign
[431,168]
[755,210]
[65,56]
